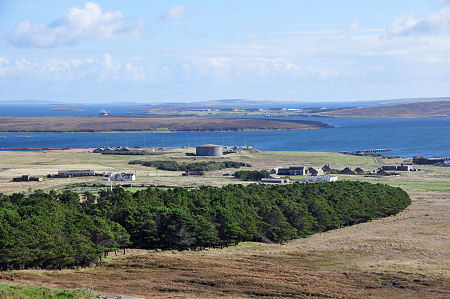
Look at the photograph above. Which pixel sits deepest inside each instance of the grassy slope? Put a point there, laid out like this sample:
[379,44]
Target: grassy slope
[412,110]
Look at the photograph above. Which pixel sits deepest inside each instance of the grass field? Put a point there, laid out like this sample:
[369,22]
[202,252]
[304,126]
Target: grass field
[402,256]
[8,291]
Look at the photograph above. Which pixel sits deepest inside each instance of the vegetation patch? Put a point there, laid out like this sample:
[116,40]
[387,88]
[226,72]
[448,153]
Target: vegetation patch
[196,166]
[35,292]
[251,175]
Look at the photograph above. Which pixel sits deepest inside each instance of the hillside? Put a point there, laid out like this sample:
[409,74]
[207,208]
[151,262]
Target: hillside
[411,110]
[143,123]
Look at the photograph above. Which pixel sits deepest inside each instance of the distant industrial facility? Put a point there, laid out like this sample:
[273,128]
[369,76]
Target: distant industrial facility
[209,150]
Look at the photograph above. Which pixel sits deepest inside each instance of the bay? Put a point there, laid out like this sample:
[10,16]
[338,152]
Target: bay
[406,137]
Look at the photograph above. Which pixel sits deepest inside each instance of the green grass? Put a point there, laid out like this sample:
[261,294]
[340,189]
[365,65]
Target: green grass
[327,158]
[36,292]
[420,186]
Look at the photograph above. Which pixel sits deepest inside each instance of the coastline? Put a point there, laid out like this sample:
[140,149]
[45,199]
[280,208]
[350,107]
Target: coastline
[140,124]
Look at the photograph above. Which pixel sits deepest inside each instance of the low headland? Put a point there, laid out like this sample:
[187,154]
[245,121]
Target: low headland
[411,110]
[80,124]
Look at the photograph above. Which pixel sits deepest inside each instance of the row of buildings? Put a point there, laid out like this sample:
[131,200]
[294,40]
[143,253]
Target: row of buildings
[308,179]
[297,170]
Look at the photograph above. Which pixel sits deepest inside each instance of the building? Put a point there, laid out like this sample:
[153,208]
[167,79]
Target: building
[426,161]
[347,170]
[446,163]
[27,178]
[120,177]
[315,171]
[75,173]
[275,180]
[389,167]
[193,172]
[102,149]
[292,170]
[209,150]
[396,168]
[319,179]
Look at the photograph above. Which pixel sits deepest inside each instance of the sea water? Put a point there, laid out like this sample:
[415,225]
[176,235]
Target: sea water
[406,137]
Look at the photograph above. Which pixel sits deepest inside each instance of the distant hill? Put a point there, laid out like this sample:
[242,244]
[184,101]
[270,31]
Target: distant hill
[410,110]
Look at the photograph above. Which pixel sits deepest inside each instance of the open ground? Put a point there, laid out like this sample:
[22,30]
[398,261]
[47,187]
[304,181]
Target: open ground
[402,256]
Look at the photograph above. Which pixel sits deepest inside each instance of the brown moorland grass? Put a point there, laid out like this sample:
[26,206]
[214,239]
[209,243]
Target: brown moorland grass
[147,123]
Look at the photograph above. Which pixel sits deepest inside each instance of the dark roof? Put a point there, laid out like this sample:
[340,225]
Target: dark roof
[209,145]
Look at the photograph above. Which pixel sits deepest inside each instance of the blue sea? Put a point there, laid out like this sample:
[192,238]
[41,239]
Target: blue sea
[406,137]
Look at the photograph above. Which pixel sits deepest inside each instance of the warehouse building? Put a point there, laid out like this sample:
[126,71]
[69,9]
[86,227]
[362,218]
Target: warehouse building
[209,150]
[73,173]
[319,179]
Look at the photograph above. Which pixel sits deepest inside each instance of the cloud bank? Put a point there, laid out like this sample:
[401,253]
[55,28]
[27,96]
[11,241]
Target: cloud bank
[87,23]
[433,24]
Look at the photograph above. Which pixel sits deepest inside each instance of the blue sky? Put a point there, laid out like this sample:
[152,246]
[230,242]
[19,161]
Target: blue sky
[161,51]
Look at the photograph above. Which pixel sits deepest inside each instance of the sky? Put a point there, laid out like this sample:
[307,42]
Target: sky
[144,51]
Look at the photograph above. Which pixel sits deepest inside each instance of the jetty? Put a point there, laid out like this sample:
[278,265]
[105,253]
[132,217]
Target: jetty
[366,151]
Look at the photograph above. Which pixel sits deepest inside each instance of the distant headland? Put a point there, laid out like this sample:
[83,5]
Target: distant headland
[149,123]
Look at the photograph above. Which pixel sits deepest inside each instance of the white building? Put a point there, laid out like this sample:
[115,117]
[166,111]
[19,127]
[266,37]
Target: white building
[124,177]
[319,179]
[119,177]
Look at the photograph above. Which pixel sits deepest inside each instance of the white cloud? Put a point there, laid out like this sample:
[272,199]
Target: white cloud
[102,69]
[87,23]
[176,12]
[436,23]
[354,26]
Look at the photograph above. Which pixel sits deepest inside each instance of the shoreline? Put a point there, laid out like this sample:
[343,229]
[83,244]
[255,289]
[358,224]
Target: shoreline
[140,124]
[155,132]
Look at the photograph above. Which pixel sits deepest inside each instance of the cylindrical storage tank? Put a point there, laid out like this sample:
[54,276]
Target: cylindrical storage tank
[209,150]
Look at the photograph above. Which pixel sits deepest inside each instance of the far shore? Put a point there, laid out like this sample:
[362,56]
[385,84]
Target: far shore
[140,124]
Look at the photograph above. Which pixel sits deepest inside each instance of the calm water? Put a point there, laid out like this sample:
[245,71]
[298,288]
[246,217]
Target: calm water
[407,137]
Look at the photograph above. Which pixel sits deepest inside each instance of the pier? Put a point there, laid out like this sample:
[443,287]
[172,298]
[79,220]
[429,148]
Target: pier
[366,151]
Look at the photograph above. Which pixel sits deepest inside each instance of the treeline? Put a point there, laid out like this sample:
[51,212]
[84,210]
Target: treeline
[49,230]
[56,230]
[251,175]
[180,218]
[195,166]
